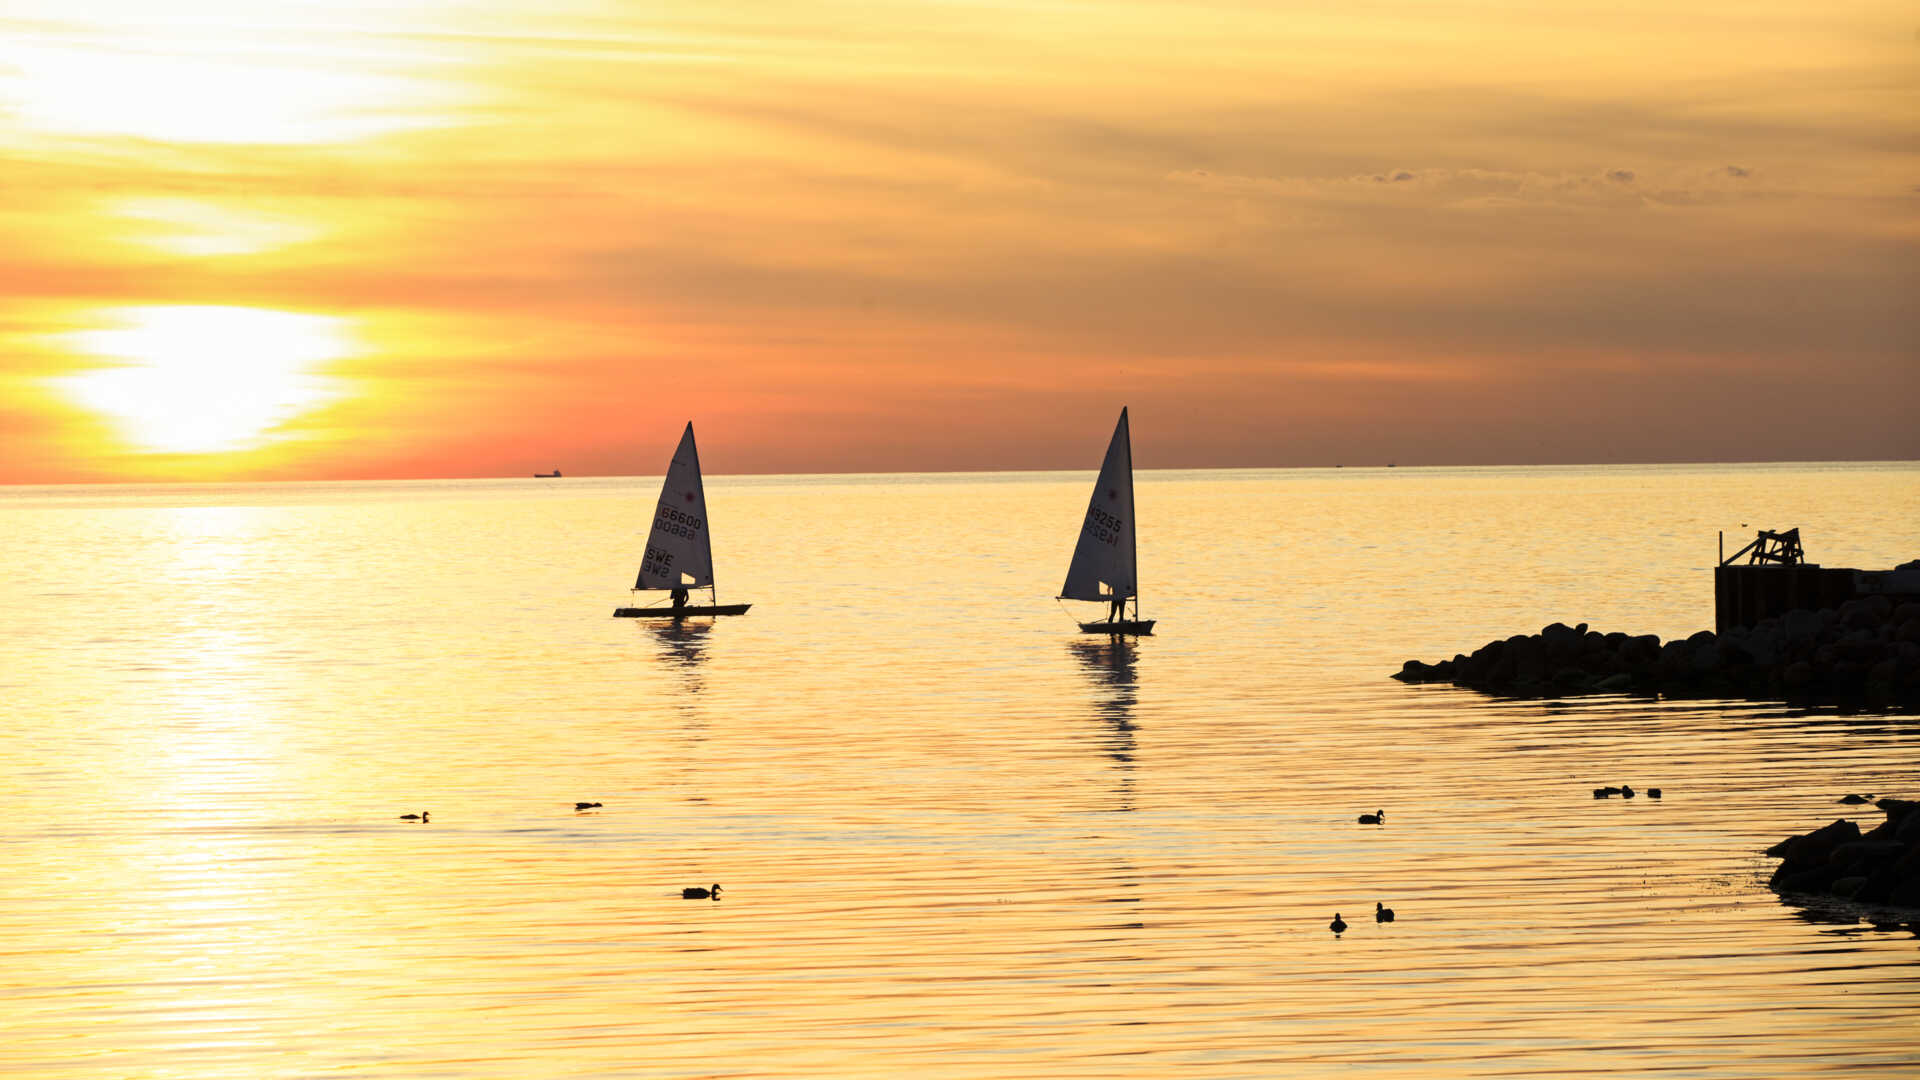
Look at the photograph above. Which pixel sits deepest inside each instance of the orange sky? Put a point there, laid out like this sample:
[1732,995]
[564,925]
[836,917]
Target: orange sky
[255,240]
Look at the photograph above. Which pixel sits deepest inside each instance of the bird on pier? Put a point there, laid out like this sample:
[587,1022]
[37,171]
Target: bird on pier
[696,893]
[1381,912]
[1337,925]
[1378,817]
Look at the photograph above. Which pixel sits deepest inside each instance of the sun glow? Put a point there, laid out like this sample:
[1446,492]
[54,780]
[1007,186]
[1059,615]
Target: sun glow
[204,380]
[187,91]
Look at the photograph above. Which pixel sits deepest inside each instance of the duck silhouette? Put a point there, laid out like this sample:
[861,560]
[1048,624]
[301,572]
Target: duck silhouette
[697,893]
[1653,793]
[1337,925]
[1381,912]
[585,805]
[1626,791]
[420,817]
[1603,792]
[1378,817]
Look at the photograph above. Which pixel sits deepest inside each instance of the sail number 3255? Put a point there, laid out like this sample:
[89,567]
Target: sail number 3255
[1103,526]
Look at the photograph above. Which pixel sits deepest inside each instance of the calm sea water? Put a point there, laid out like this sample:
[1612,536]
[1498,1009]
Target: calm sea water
[957,838]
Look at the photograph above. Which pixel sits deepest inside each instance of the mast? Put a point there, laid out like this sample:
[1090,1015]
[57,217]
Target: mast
[1133,547]
[706,530]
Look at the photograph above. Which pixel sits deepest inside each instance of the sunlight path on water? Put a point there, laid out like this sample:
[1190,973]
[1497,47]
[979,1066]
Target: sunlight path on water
[955,837]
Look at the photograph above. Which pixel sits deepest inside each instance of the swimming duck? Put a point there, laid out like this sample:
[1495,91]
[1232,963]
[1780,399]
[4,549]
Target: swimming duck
[420,817]
[1337,925]
[1603,792]
[1626,791]
[700,894]
[585,805]
[1378,817]
[1653,793]
[1381,912]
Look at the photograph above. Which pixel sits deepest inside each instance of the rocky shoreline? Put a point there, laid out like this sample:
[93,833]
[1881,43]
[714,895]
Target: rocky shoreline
[1866,651]
[1877,867]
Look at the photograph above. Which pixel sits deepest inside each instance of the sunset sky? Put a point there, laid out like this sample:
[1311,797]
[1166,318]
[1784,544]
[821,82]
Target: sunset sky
[415,238]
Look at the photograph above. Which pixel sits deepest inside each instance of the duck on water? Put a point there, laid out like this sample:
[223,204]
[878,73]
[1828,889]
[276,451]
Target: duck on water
[697,893]
[1624,791]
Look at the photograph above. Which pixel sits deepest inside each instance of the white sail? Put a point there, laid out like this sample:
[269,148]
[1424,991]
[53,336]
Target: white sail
[679,552]
[1103,561]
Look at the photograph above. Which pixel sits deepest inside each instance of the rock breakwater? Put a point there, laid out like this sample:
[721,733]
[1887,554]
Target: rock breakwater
[1866,650]
[1881,866]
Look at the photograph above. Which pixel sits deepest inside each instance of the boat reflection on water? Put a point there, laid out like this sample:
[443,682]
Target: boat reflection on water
[1110,661]
[681,647]
[684,642]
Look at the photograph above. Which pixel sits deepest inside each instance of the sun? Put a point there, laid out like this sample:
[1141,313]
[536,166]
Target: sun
[206,379]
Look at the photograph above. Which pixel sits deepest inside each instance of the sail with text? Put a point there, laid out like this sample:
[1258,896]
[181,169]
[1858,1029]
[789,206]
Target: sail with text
[679,552]
[1103,559]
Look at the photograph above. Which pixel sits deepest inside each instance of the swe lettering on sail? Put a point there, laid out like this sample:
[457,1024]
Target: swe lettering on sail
[1103,526]
[658,563]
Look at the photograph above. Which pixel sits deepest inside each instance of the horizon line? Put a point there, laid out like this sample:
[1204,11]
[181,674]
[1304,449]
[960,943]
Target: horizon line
[966,472]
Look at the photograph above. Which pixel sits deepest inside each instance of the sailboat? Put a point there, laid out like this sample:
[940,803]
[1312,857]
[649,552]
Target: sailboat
[1103,567]
[679,552]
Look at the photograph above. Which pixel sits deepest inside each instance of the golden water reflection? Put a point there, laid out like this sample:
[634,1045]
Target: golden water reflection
[1110,663]
[217,712]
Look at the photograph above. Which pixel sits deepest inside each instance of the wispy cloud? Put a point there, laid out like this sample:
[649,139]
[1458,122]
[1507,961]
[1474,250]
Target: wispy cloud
[837,211]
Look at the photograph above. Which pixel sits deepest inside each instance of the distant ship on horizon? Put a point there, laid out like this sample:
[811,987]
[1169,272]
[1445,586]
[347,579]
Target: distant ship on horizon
[546,475]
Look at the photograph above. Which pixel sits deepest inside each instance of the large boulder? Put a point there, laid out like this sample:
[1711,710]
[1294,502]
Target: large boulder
[1814,847]
[1904,890]
[1863,852]
[1881,867]
[1415,671]
[1803,627]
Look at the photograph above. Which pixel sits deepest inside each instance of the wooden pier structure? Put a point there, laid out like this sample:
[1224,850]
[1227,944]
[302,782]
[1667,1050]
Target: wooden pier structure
[1776,579]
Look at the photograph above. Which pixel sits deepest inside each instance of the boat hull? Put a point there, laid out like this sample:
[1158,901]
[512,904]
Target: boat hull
[1123,626]
[687,612]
